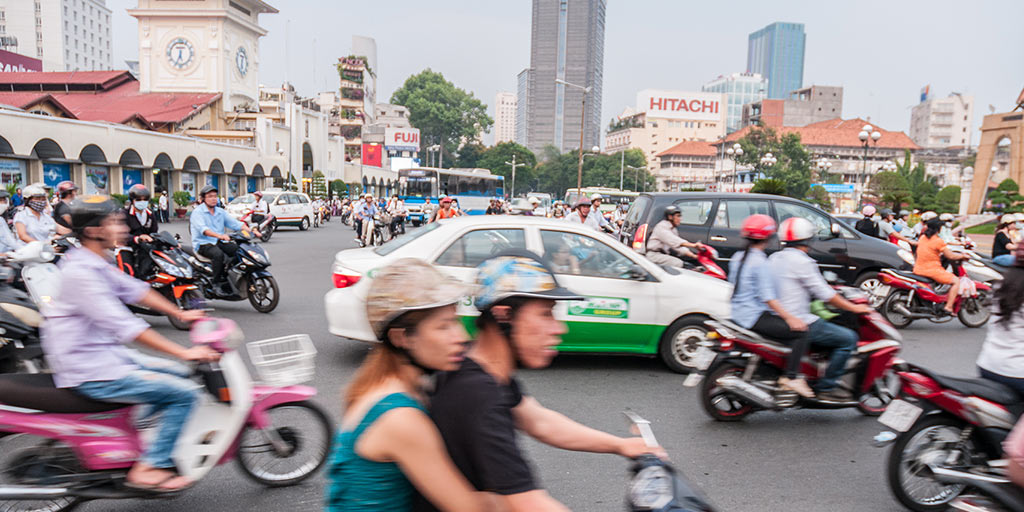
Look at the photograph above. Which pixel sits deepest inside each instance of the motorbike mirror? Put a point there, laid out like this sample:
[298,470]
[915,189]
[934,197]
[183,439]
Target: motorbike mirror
[642,428]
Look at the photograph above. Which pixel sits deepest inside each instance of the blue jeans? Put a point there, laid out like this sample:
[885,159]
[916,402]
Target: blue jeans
[1006,260]
[160,384]
[841,340]
[1015,383]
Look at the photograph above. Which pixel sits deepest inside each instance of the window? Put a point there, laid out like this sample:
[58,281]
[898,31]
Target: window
[475,247]
[820,220]
[574,254]
[695,211]
[732,213]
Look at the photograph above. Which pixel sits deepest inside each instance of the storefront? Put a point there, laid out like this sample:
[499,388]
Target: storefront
[97,180]
[12,172]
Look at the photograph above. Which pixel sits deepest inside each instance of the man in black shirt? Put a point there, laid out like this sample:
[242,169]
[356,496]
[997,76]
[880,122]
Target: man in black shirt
[479,407]
[66,191]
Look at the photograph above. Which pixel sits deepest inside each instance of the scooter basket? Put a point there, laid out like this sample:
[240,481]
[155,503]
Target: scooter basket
[283,361]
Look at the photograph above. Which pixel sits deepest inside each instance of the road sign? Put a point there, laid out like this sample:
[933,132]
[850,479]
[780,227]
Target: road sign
[836,188]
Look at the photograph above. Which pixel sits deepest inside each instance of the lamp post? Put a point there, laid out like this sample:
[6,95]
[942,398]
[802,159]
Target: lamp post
[583,116]
[735,152]
[514,165]
[636,176]
[823,165]
[867,135]
[767,160]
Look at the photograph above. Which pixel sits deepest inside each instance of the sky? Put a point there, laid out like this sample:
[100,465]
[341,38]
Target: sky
[881,51]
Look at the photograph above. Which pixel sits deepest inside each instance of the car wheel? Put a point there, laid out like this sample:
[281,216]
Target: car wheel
[304,225]
[681,342]
[871,284]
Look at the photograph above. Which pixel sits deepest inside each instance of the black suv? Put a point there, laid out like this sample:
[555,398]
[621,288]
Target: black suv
[715,218]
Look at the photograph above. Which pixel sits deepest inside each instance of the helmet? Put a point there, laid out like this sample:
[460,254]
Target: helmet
[757,227]
[138,192]
[65,187]
[868,211]
[89,211]
[595,197]
[927,216]
[885,212]
[1008,218]
[258,193]
[445,199]
[796,229]
[904,213]
[206,190]
[4,194]
[583,201]
[534,200]
[369,195]
[671,211]
[946,217]
[390,295]
[516,273]
[33,191]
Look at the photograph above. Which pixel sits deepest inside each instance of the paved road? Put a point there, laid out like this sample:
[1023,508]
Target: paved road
[791,461]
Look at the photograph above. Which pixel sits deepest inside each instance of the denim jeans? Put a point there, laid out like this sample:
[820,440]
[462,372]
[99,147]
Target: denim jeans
[1016,383]
[161,385]
[1006,260]
[841,340]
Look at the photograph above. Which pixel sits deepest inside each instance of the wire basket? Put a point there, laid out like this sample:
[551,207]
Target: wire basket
[283,361]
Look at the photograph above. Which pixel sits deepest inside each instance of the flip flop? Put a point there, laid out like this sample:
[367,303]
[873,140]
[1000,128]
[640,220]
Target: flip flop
[157,487]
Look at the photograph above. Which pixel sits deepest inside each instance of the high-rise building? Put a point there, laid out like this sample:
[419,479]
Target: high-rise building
[504,117]
[567,43]
[942,122]
[522,107]
[776,52]
[67,35]
[358,93]
[740,89]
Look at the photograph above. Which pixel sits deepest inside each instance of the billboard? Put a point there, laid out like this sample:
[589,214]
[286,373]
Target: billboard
[691,106]
[402,139]
[372,155]
[11,62]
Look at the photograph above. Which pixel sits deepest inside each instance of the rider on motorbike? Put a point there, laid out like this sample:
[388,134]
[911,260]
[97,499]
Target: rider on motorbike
[797,281]
[32,223]
[85,335]
[8,242]
[141,225]
[931,248]
[755,304]
[1002,355]
[260,209]
[887,229]
[209,224]
[66,191]
[665,241]
[364,215]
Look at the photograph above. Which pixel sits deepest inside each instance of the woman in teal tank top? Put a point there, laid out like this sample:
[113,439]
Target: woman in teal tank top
[388,447]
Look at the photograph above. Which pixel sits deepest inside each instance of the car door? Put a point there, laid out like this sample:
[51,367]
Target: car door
[696,218]
[724,235]
[827,249]
[460,256]
[619,311]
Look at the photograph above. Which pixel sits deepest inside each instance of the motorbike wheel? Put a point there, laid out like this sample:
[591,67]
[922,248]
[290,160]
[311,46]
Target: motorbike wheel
[720,404]
[681,343]
[268,232]
[307,432]
[874,402]
[191,299]
[894,317]
[931,440]
[264,293]
[33,460]
[973,312]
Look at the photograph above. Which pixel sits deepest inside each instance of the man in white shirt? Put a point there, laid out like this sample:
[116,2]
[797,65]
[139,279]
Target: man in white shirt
[165,214]
[581,214]
[598,215]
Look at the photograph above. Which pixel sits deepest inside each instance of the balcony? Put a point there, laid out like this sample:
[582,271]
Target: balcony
[351,93]
[353,76]
[352,131]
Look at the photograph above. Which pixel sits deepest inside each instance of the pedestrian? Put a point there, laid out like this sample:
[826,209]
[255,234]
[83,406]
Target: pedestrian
[16,199]
[164,207]
[387,445]
[1002,355]
[1003,246]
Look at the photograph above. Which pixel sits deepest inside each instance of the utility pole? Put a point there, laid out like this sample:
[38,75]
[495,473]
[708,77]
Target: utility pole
[622,167]
[583,117]
[514,165]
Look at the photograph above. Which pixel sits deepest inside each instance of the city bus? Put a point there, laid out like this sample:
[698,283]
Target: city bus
[613,197]
[473,188]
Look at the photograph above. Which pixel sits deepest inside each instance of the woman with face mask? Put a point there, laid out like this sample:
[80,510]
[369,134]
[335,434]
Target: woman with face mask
[32,223]
[8,242]
[141,224]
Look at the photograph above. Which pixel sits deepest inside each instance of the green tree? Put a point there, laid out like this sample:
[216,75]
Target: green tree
[793,161]
[469,155]
[526,162]
[890,188]
[444,113]
[319,187]
[922,188]
[557,172]
[948,199]
[770,186]
[1006,198]
[819,196]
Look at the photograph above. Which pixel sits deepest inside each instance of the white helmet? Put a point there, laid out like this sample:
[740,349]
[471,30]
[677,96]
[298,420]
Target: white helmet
[33,191]
[946,217]
[1020,217]
[534,200]
[796,229]
[927,216]
[595,196]
[1008,218]
[868,211]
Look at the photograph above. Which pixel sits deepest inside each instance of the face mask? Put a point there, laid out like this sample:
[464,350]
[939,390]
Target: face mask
[37,204]
[141,205]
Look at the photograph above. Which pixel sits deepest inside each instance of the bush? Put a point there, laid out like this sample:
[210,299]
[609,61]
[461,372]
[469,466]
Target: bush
[121,199]
[769,186]
[182,199]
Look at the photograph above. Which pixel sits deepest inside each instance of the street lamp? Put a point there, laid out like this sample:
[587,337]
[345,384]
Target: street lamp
[514,165]
[768,160]
[867,135]
[735,152]
[823,166]
[583,116]
[636,177]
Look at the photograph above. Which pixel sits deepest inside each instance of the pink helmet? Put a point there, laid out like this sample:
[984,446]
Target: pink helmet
[868,211]
[758,227]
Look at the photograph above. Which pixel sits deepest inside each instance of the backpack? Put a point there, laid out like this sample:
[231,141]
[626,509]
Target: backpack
[867,226]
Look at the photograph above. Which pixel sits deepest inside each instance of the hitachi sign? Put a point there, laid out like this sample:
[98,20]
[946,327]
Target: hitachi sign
[700,106]
[681,104]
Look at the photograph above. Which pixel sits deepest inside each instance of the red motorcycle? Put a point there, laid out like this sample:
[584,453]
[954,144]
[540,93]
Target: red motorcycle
[912,297]
[707,263]
[740,369]
[946,436]
[266,226]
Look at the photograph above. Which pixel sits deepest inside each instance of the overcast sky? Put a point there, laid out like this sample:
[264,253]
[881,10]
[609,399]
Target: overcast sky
[881,51]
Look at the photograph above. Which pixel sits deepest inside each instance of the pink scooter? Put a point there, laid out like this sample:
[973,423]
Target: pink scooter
[58,448]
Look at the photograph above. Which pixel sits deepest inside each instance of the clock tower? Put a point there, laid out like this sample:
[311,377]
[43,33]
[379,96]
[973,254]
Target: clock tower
[202,46]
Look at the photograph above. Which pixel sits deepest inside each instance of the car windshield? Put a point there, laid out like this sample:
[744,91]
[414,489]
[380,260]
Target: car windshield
[246,199]
[402,240]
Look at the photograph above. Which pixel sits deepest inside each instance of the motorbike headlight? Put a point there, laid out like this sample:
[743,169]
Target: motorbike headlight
[651,488]
[257,257]
[906,256]
[169,267]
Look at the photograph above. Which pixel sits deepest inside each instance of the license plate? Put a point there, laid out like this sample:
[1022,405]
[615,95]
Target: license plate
[703,358]
[693,379]
[900,415]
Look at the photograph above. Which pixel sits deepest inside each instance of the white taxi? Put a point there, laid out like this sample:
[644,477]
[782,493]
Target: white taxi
[633,306]
[290,208]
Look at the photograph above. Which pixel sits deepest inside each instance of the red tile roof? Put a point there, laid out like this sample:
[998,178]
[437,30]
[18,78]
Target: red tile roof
[690,148]
[98,78]
[837,132]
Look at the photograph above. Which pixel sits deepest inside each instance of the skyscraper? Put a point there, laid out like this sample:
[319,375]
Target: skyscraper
[740,88]
[504,117]
[65,35]
[567,43]
[777,53]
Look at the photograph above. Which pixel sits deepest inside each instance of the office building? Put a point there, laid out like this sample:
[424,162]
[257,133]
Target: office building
[522,107]
[776,52]
[942,122]
[740,89]
[67,35]
[567,43]
[504,117]
[805,106]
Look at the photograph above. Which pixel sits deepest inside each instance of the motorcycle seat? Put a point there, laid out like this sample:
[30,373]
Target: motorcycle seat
[188,250]
[984,388]
[915,277]
[37,391]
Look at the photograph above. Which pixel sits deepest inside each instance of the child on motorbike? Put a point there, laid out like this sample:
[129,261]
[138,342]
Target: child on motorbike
[85,334]
[387,445]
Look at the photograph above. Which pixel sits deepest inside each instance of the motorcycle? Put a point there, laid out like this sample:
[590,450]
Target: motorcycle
[378,229]
[246,271]
[707,263]
[946,436]
[738,369]
[172,276]
[913,297]
[61,449]
[656,486]
[20,348]
[266,227]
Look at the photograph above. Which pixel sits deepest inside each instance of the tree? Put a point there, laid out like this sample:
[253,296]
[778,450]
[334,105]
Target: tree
[772,186]
[338,188]
[557,172]
[1006,198]
[819,196]
[444,113]
[948,199]
[793,161]
[469,155]
[526,162]
[890,188]
[922,188]
[319,185]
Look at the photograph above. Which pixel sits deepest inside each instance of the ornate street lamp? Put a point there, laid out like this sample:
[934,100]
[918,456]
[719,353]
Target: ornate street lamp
[867,135]
[735,152]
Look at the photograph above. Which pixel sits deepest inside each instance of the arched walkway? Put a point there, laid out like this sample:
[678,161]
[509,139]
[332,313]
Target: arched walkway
[47,149]
[92,154]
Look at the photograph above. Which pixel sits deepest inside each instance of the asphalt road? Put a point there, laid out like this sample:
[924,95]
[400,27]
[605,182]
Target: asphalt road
[789,461]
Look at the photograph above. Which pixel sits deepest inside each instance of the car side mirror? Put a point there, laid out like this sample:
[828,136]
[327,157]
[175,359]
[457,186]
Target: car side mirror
[637,273]
[835,232]
[830,277]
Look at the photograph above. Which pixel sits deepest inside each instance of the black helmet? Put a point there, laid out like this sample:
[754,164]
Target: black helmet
[671,210]
[206,190]
[89,211]
[138,191]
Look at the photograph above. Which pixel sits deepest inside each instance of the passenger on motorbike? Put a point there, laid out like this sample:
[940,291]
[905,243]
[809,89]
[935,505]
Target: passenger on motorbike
[756,306]
[66,191]
[479,407]
[396,207]
[903,221]
[8,242]
[931,248]
[595,211]
[387,445]
[445,211]
[365,213]
[1003,246]
[142,223]
[798,281]
[867,224]
[32,223]
[209,225]
[887,231]
[1002,355]
[920,226]
[85,335]
[665,243]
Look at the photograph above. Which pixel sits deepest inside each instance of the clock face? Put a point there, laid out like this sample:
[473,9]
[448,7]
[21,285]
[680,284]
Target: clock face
[242,61]
[180,53]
